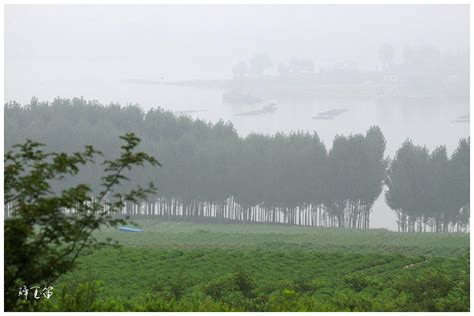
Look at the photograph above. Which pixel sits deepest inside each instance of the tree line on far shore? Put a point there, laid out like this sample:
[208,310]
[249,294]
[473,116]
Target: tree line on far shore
[210,173]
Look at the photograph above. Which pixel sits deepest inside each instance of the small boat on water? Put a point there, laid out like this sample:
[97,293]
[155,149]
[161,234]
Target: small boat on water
[329,115]
[130,229]
[323,118]
[269,108]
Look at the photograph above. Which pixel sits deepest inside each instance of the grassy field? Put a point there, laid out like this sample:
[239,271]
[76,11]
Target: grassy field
[179,266]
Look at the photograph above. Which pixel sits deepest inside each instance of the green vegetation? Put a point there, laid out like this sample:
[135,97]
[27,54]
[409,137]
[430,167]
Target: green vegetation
[176,266]
[163,234]
[45,231]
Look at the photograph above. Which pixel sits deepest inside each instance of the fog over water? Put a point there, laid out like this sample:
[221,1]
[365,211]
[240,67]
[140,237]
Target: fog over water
[125,53]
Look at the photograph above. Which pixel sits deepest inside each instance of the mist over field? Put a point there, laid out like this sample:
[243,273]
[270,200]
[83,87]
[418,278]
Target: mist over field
[349,117]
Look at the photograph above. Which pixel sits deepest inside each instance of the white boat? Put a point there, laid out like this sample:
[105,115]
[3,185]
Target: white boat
[130,229]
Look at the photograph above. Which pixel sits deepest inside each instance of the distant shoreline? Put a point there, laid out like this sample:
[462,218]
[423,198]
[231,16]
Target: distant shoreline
[274,86]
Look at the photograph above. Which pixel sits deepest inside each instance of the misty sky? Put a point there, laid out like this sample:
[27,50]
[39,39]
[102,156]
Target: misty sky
[203,41]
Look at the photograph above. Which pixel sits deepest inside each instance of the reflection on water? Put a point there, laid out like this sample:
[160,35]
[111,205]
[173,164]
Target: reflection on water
[426,121]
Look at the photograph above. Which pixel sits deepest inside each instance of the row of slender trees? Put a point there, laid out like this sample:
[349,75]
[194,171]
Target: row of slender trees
[210,173]
[429,189]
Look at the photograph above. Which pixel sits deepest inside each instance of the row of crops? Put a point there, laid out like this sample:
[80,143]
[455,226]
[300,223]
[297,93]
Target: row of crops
[222,270]
[258,280]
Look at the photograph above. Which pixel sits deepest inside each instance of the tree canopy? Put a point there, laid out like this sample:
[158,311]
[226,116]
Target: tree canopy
[210,173]
[429,189]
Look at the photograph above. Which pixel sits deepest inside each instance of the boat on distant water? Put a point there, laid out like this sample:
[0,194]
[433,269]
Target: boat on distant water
[269,108]
[130,229]
[323,117]
[329,115]
[238,96]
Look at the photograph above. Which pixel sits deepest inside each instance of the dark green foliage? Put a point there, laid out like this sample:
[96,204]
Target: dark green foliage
[178,286]
[45,231]
[239,281]
[357,281]
[79,297]
[434,290]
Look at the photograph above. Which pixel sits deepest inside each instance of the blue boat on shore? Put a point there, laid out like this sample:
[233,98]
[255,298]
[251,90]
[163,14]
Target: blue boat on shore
[129,229]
